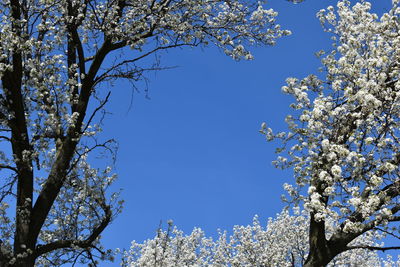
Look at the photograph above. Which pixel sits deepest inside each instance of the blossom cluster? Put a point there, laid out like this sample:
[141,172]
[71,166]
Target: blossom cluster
[282,242]
[344,134]
[57,62]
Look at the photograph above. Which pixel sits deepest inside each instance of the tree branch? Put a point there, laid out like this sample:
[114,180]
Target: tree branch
[87,243]
[372,248]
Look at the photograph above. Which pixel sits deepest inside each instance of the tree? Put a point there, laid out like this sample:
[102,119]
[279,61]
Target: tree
[343,143]
[55,58]
[283,242]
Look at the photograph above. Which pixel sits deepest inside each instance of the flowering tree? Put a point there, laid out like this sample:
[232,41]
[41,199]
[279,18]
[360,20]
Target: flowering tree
[344,134]
[283,242]
[54,58]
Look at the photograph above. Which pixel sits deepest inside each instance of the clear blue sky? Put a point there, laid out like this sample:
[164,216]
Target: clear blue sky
[192,152]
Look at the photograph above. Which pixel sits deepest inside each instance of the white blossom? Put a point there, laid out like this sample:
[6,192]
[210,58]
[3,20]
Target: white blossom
[282,242]
[349,169]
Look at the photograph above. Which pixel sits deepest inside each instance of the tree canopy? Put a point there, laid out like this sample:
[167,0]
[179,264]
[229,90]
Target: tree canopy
[57,60]
[282,242]
[343,143]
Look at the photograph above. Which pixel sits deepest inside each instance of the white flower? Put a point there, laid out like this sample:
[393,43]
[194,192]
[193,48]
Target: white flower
[376,181]
[336,170]
[311,189]
[368,140]
[325,144]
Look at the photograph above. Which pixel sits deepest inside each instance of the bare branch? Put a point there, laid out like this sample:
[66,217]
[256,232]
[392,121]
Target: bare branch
[372,248]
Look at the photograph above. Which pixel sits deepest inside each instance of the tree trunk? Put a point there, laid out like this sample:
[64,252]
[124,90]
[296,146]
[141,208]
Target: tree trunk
[319,254]
[26,262]
[322,251]
[316,262]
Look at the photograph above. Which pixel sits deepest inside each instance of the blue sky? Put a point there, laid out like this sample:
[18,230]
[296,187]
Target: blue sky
[192,152]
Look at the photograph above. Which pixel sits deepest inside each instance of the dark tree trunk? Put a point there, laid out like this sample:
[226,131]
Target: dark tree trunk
[319,251]
[12,84]
[26,262]
[322,251]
